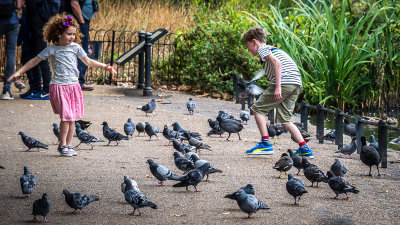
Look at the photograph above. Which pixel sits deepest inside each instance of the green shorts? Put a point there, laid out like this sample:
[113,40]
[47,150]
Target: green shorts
[285,105]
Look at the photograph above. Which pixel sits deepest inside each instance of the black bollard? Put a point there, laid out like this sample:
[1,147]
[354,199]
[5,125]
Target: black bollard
[339,128]
[142,36]
[147,91]
[271,116]
[304,115]
[112,58]
[382,141]
[320,124]
[359,132]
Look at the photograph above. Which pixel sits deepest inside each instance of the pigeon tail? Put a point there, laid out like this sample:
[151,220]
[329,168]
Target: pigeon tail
[175,177]
[231,196]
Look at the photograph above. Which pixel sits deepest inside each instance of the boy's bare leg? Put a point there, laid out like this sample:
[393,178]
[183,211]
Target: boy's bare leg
[262,124]
[294,131]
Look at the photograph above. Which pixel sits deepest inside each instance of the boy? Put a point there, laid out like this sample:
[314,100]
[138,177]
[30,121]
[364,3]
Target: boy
[284,76]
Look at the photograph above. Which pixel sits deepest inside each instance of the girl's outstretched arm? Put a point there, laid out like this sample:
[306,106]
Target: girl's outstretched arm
[93,63]
[29,65]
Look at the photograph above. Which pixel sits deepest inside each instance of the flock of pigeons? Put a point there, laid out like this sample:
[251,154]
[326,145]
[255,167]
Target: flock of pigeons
[186,158]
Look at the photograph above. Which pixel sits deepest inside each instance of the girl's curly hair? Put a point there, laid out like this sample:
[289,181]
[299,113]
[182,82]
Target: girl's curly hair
[54,28]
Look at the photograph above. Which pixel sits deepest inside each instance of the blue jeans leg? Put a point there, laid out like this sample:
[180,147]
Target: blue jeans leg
[84,29]
[11,33]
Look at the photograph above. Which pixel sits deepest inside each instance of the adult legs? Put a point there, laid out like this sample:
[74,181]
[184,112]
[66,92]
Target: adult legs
[11,33]
[84,29]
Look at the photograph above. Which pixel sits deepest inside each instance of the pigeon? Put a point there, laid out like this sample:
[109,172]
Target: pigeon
[248,203]
[161,172]
[244,116]
[373,143]
[129,128]
[196,143]
[149,107]
[18,84]
[31,142]
[271,132]
[306,136]
[349,128]
[2,167]
[191,106]
[200,162]
[230,126]
[28,182]
[193,177]
[248,189]
[151,130]
[177,127]
[77,200]
[395,141]
[349,148]
[215,129]
[313,173]
[133,182]
[183,163]
[339,185]
[369,156]
[189,153]
[331,136]
[284,164]
[84,124]
[41,207]
[85,137]
[136,199]
[171,134]
[279,129]
[295,188]
[338,169]
[212,123]
[225,115]
[56,131]
[181,147]
[297,161]
[140,128]
[112,135]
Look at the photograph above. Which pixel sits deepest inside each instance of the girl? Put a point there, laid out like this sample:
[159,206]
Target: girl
[65,93]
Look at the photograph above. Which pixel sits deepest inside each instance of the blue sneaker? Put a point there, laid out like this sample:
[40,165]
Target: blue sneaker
[305,151]
[263,148]
[72,150]
[41,95]
[28,94]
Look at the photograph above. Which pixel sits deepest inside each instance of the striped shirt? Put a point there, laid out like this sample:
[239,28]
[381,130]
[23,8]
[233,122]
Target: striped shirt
[290,73]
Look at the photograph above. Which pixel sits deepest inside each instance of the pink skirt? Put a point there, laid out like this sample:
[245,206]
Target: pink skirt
[67,101]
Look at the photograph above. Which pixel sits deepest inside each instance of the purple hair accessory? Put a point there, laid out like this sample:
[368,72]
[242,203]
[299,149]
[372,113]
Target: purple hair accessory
[66,23]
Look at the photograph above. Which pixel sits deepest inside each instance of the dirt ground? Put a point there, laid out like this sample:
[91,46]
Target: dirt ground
[100,171]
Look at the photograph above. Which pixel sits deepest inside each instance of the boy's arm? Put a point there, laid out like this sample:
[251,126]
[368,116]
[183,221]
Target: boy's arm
[29,65]
[93,63]
[278,70]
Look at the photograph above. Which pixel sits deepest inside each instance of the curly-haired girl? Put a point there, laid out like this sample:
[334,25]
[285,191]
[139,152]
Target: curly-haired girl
[65,92]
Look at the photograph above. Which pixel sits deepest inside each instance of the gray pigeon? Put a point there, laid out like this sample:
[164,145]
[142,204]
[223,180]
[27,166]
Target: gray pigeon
[194,177]
[331,136]
[18,84]
[151,130]
[248,189]
[338,169]
[249,203]
[349,128]
[183,163]
[295,188]
[284,164]
[189,153]
[200,162]
[349,148]
[41,207]
[244,116]
[230,126]
[140,128]
[215,128]
[170,134]
[85,137]
[136,199]
[31,142]
[56,131]
[196,143]
[369,156]
[191,106]
[181,147]
[77,200]
[133,182]
[339,185]
[297,161]
[129,128]
[28,182]
[373,143]
[149,107]
[313,173]
[225,115]
[177,127]
[161,172]
[112,135]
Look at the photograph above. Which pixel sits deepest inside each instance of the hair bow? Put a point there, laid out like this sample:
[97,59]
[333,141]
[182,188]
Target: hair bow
[66,23]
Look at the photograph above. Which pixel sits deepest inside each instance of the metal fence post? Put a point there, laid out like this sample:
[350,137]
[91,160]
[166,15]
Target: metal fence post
[112,56]
[304,115]
[142,36]
[147,91]
[320,124]
[382,141]
[339,128]
[359,132]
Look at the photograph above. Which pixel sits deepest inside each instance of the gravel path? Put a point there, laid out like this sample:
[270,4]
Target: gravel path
[100,171]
